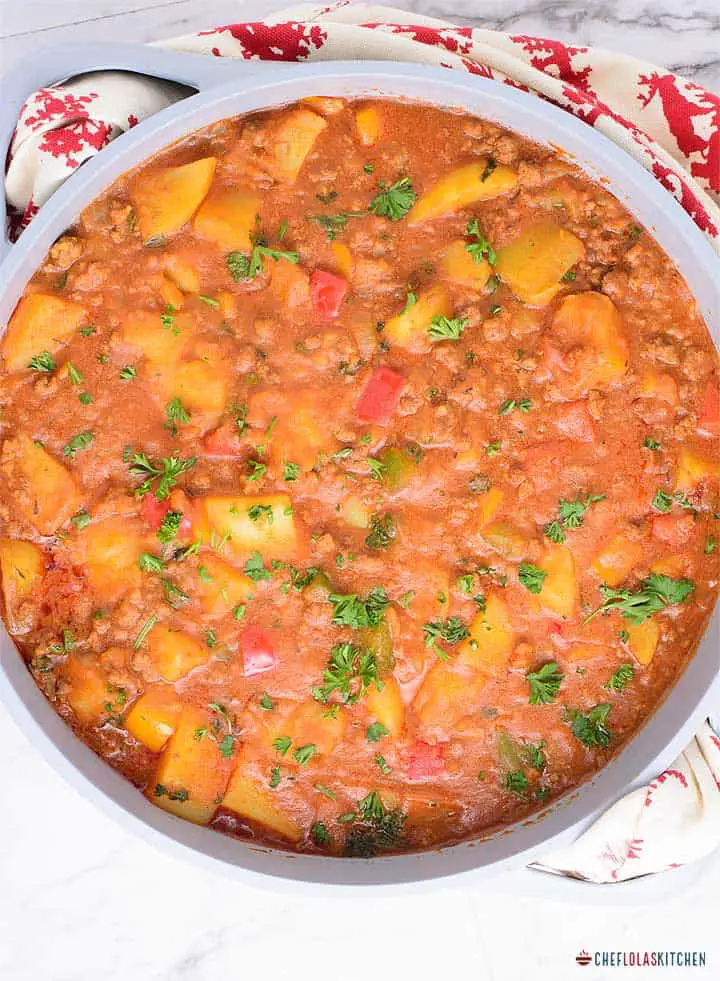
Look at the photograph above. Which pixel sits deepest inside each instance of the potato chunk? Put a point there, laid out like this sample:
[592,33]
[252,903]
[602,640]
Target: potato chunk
[409,328]
[247,797]
[488,504]
[227,218]
[192,773]
[591,324]
[534,263]
[153,717]
[22,567]
[221,587]
[559,588]
[458,266]
[465,185]
[46,494]
[491,637]
[110,549]
[449,692]
[367,122]
[387,706]
[172,654]
[264,524]
[692,469]
[89,693]
[41,322]
[290,140]
[309,724]
[144,331]
[643,640]
[167,198]
[618,559]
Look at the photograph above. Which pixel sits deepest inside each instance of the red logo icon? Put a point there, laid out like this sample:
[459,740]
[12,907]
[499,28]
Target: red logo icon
[583,958]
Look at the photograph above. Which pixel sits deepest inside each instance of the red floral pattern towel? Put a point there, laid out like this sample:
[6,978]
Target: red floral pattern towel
[666,122]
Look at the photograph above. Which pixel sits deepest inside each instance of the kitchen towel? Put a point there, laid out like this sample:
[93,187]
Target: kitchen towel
[669,124]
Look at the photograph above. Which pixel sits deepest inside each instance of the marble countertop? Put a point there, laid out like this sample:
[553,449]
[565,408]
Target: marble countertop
[81,900]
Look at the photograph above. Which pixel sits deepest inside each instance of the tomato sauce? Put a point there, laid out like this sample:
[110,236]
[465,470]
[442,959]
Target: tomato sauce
[359,491]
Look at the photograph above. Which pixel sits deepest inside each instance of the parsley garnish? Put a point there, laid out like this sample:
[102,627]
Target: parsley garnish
[652,595]
[375,732]
[320,834]
[349,672]
[243,266]
[166,473]
[531,577]
[589,727]
[144,631]
[128,372]
[74,375]
[261,511]
[291,471]
[255,569]
[266,702]
[334,224]
[170,526]
[479,249]
[351,611]
[395,201]
[572,513]
[451,631]
[447,329]
[303,754]
[150,563]
[376,830]
[382,531]
[79,442]
[516,782]
[81,520]
[509,405]
[176,413]
[42,362]
[621,678]
[662,502]
[173,595]
[544,683]
[651,444]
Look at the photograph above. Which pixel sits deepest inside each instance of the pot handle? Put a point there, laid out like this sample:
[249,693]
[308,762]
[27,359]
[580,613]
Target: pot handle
[59,62]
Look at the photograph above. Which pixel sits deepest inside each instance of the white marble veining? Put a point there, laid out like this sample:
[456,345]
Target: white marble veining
[81,900]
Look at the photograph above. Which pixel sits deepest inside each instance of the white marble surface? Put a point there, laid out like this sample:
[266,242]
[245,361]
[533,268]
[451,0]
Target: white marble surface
[81,900]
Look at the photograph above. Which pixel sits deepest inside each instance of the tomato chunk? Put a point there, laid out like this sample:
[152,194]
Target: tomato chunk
[221,441]
[709,418]
[575,422]
[153,511]
[258,651]
[381,396]
[674,530]
[425,760]
[328,292]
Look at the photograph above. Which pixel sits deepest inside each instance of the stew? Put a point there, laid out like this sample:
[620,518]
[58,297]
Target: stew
[359,491]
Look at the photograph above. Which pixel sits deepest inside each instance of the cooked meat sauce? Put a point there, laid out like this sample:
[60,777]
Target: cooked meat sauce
[359,477]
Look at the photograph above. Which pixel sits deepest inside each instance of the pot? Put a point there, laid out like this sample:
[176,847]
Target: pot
[226,88]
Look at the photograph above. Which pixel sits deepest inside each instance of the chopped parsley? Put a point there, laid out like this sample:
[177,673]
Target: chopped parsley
[257,470]
[320,834]
[43,363]
[170,526]
[150,563]
[480,248]
[531,577]
[544,683]
[651,444]
[375,732]
[173,595]
[621,678]
[516,782]
[395,201]
[572,513]
[166,473]
[509,405]
[382,764]
[266,702]
[291,471]
[255,569]
[81,520]
[74,375]
[176,413]
[332,225]
[590,727]
[128,372]
[382,531]
[652,595]
[349,673]
[79,442]
[303,754]
[260,512]
[352,611]
[662,502]
[375,828]
[144,631]
[243,266]
[447,329]
[451,631]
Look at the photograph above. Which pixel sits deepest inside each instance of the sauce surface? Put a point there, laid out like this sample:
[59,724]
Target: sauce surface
[358,490]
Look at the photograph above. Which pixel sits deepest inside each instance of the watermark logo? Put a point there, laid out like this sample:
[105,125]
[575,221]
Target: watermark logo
[642,958]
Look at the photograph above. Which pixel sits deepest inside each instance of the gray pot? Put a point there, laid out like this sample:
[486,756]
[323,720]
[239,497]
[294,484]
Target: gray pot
[227,88]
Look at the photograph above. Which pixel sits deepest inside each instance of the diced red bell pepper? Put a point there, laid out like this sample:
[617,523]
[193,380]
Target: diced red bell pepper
[575,422]
[425,760]
[221,441]
[257,650]
[673,530]
[381,396]
[328,292]
[153,511]
[709,418]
